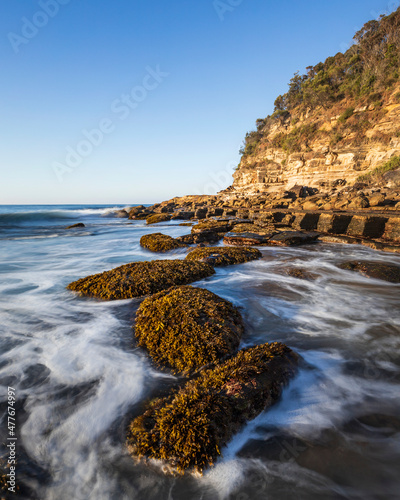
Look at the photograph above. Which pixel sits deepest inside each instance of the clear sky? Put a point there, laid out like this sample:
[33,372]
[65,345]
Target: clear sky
[136,101]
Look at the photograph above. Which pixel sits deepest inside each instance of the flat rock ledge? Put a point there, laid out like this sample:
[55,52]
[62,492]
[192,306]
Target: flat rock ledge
[186,328]
[188,429]
[158,242]
[377,270]
[138,279]
[223,256]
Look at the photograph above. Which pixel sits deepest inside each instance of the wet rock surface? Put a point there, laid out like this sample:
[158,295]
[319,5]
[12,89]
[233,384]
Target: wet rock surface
[223,256]
[158,242]
[141,278]
[377,270]
[188,429]
[186,328]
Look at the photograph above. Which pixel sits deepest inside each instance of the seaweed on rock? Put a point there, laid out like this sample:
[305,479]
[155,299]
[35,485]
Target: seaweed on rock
[224,256]
[186,328]
[158,242]
[141,278]
[189,428]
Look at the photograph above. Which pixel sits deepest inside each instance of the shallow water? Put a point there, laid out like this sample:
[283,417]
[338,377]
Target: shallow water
[79,378]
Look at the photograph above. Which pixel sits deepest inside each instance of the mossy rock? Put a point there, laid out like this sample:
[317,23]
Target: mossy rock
[224,256]
[141,278]
[189,428]
[158,242]
[186,328]
[377,270]
[156,218]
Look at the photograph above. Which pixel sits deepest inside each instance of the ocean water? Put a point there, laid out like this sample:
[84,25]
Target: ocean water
[79,377]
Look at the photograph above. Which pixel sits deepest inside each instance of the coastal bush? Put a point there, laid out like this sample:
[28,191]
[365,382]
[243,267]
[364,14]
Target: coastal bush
[224,256]
[346,115]
[378,172]
[141,278]
[189,428]
[186,328]
[158,242]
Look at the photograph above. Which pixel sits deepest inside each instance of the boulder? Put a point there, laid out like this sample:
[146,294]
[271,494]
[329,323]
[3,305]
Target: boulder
[186,328]
[189,429]
[141,278]
[377,270]
[156,218]
[376,200]
[247,239]
[79,224]
[292,238]
[158,242]
[392,230]
[308,221]
[333,223]
[121,214]
[210,231]
[224,256]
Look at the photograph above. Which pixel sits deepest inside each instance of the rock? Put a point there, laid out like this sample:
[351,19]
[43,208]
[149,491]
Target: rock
[186,239]
[392,229]
[183,215]
[200,213]
[186,328]
[310,205]
[224,256]
[210,231]
[247,239]
[136,211]
[376,200]
[293,238]
[295,272]
[141,278]
[308,222]
[392,179]
[79,224]
[359,202]
[366,226]
[333,223]
[377,270]
[189,428]
[298,191]
[158,242]
[156,218]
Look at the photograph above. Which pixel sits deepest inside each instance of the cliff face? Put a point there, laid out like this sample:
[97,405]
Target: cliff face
[336,123]
[320,163]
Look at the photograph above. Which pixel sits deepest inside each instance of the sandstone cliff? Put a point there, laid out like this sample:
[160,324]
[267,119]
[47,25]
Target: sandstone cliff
[336,123]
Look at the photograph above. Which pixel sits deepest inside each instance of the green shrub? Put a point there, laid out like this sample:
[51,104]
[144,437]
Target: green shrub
[346,115]
[378,172]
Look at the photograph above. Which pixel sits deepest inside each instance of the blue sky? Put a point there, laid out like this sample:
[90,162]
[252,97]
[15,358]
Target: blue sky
[194,75]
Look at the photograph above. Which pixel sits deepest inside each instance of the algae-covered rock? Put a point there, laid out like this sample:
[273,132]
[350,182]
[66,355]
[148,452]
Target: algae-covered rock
[210,231]
[186,328]
[301,274]
[293,238]
[141,278]
[247,239]
[158,242]
[79,224]
[224,256]
[377,270]
[156,218]
[189,428]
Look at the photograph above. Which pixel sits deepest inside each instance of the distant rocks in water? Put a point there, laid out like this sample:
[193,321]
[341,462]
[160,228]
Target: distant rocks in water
[189,428]
[141,278]
[223,256]
[302,274]
[377,270]
[79,224]
[158,242]
[156,218]
[186,328]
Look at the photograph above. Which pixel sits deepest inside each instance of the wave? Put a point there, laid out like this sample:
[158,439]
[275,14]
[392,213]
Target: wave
[29,216]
